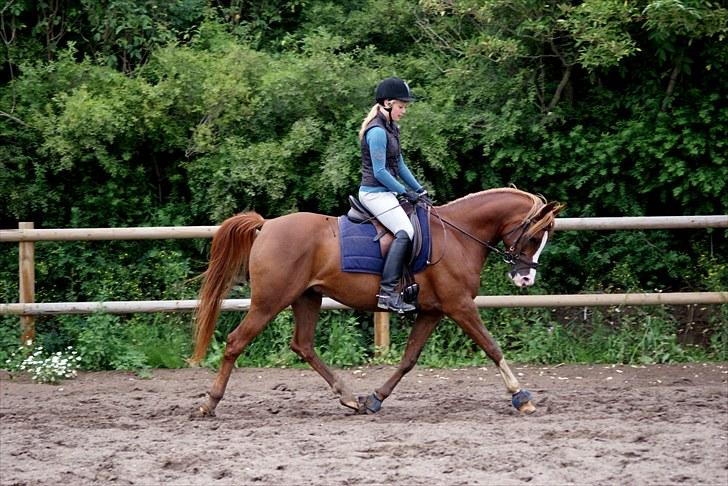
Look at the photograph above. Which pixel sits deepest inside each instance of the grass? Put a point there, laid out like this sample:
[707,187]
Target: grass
[642,335]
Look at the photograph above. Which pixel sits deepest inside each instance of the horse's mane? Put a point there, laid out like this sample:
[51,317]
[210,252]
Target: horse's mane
[537,203]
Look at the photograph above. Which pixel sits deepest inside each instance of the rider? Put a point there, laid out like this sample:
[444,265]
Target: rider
[382,165]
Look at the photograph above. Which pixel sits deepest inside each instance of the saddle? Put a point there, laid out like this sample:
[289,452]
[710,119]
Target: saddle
[364,243]
[359,214]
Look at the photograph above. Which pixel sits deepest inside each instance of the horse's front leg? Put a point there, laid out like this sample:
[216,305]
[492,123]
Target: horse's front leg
[421,330]
[520,398]
[467,317]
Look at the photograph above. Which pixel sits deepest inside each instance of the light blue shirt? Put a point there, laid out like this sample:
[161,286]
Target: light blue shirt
[377,140]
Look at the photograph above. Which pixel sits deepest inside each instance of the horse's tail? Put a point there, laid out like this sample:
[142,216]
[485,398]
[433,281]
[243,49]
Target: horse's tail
[229,257]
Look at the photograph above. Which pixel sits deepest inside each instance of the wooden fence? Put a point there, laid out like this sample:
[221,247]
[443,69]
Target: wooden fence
[26,236]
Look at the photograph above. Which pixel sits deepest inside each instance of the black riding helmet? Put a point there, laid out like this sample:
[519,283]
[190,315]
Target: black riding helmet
[393,89]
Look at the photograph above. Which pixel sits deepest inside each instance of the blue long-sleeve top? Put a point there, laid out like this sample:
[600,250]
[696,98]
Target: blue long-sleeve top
[376,137]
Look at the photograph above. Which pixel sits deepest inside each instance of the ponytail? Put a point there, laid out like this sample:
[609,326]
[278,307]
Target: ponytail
[372,114]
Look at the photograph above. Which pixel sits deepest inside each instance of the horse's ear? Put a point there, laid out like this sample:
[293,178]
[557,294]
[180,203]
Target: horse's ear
[550,208]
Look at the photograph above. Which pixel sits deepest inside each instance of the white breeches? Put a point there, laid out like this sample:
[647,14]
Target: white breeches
[385,206]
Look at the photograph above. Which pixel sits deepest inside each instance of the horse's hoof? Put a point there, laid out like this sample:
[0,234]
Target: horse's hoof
[370,404]
[350,402]
[362,406]
[205,411]
[521,400]
[527,408]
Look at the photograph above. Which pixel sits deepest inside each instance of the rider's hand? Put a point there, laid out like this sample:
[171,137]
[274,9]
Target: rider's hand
[411,196]
[423,196]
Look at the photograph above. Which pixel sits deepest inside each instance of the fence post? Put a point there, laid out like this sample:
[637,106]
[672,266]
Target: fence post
[381,332]
[27,283]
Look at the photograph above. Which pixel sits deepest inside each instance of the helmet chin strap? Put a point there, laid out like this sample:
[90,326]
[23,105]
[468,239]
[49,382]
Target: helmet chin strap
[388,109]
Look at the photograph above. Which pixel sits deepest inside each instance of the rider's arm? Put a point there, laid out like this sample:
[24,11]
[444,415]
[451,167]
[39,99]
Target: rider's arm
[407,176]
[377,141]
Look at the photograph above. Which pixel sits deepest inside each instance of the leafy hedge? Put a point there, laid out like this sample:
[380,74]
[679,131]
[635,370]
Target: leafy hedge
[126,113]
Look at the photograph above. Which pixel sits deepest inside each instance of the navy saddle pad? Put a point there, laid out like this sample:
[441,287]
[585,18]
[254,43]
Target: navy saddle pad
[360,253]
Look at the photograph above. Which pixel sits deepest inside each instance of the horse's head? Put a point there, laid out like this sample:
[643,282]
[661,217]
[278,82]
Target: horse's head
[525,239]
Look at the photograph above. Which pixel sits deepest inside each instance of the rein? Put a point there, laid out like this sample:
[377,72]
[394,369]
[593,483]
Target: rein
[375,217]
[509,256]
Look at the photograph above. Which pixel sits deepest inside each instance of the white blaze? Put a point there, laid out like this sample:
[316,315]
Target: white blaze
[530,279]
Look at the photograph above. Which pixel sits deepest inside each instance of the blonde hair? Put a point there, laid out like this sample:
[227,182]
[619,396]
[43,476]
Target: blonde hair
[371,116]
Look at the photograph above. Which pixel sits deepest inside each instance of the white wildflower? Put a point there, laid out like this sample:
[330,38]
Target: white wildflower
[47,368]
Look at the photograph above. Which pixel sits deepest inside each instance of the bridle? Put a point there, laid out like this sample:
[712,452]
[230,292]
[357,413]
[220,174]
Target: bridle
[511,256]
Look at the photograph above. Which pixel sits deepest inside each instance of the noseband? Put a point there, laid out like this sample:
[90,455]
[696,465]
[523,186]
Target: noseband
[512,255]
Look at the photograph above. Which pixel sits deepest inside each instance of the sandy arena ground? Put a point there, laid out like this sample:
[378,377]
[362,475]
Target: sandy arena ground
[594,425]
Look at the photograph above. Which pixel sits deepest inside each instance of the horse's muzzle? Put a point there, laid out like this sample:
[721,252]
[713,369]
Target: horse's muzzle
[525,279]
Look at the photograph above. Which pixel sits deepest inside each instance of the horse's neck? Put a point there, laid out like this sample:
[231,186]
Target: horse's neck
[483,215]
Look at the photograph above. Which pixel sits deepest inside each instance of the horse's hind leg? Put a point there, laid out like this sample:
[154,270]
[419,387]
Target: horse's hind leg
[253,323]
[305,312]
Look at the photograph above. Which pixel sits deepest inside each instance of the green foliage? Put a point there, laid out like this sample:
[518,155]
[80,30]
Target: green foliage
[450,346]
[9,337]
[651,341]
[108,342]
[102,345]
[339,342]
[691,19]
[344,345]
[139,113]
[272,346]
[719,336]
[163,340]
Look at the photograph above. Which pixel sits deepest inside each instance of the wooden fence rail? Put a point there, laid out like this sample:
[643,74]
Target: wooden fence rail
[26,235]
[482,301]
[181,232]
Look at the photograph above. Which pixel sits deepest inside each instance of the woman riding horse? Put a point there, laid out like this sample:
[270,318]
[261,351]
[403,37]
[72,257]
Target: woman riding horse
[295,260]
[382,164]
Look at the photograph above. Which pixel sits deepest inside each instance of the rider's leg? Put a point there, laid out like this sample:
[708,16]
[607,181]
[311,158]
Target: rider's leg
[385,206]
[389,298]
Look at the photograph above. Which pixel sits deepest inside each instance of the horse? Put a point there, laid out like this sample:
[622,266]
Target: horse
[294,260]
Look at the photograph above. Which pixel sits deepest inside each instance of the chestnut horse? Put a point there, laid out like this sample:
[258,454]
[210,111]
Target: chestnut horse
[294,260]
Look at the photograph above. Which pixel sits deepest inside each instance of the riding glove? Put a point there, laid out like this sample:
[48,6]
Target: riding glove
[411,196]
[422,192]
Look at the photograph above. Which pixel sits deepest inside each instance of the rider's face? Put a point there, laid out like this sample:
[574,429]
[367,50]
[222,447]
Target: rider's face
[399,108]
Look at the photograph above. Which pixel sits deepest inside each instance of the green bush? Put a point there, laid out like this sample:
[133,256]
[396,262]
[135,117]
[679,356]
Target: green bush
[122,113]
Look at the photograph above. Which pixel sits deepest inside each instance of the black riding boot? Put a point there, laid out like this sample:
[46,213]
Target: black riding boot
[388,297]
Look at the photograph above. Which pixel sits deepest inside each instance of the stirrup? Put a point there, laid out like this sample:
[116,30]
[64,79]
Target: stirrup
[393,302]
